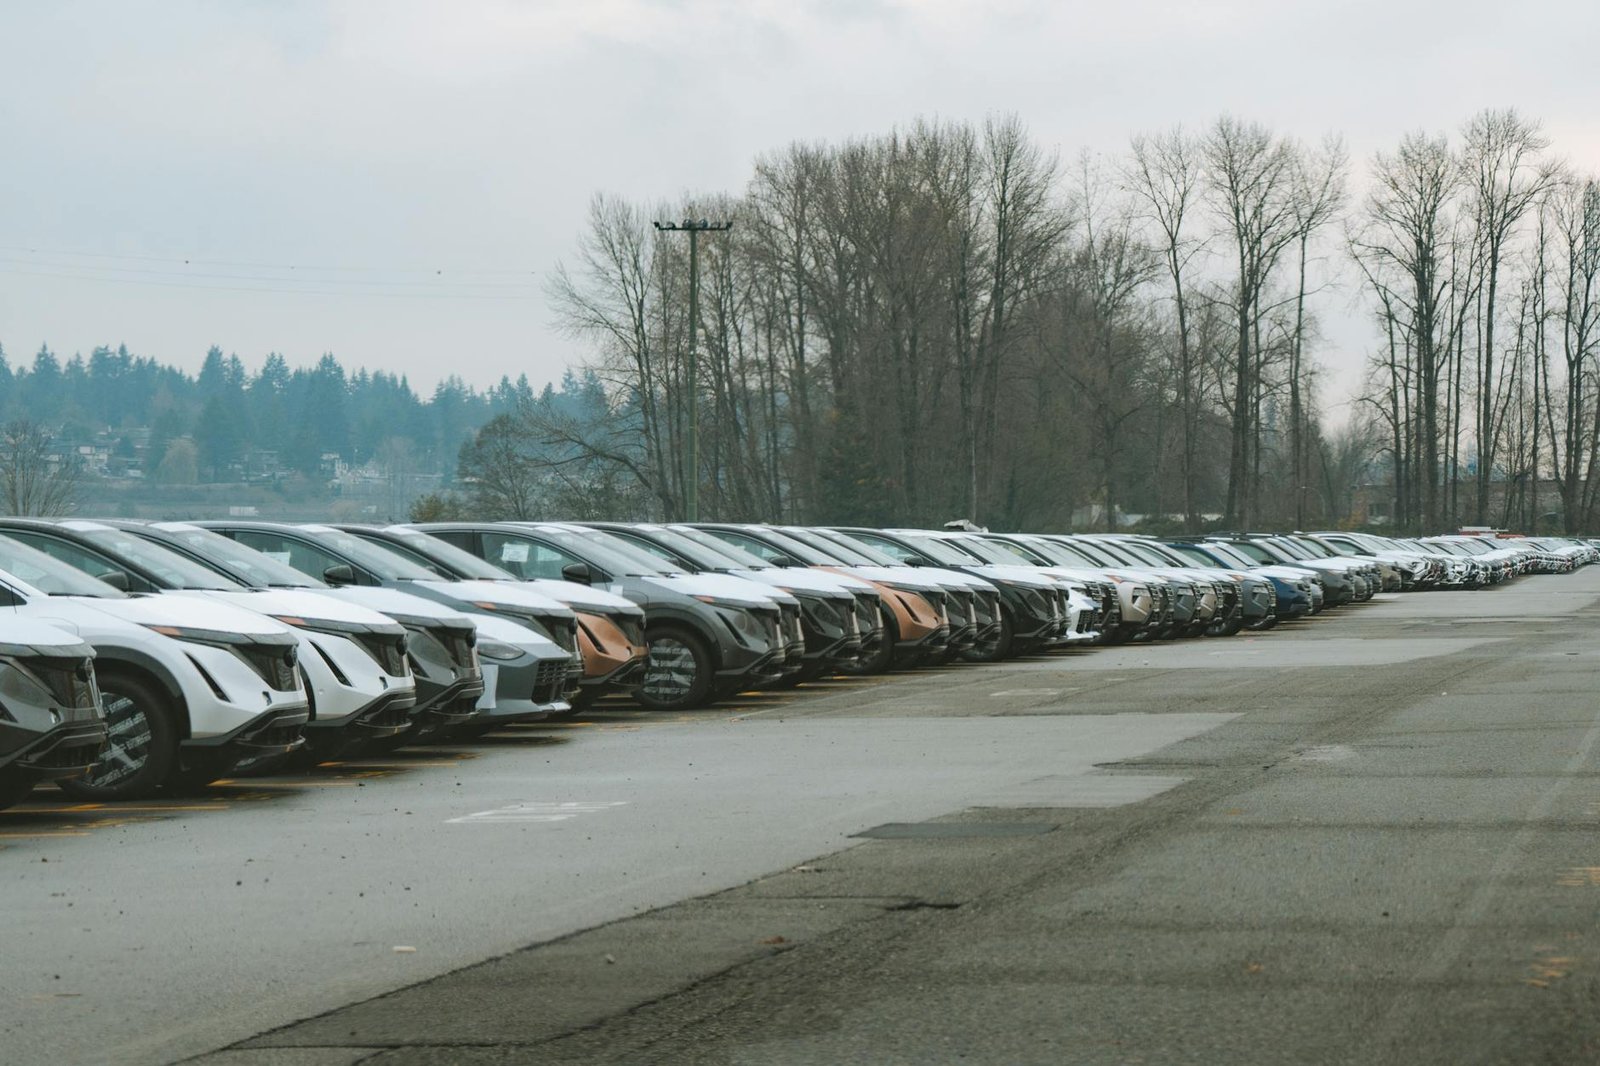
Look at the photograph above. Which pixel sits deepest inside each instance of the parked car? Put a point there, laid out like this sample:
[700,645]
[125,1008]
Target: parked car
[832,636]
[440,646]
[1178,599]
[868,605]
[190,687]
[525,673]
[709,635]
[352,659]
[916,616]
[610,638]
[52,724]
[1034,609]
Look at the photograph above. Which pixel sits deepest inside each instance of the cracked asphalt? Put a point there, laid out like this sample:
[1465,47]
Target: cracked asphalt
[1366,838]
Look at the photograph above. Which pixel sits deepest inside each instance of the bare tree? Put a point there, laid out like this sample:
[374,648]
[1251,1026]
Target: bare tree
[1250,184]
[1407,229]
[38,478]
[1165,173]
[1501,158]
[1318,198]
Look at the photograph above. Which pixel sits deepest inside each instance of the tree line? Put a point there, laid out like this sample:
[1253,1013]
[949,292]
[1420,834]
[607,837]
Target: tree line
[948,320]
[226,421]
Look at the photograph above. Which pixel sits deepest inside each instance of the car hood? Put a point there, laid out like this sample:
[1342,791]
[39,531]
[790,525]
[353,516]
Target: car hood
[804,579]
[396,604]
[502,593]
[301,603]
[583,597]
[504,630]
[722,587]
[41,639]
[191,612]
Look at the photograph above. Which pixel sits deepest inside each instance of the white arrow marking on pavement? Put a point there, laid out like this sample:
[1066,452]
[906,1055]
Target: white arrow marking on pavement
[537,812]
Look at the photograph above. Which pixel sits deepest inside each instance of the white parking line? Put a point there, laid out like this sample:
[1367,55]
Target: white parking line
[537,812]
[1043,692]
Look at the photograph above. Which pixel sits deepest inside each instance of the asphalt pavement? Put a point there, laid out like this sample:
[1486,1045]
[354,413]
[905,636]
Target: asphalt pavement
[1365,838]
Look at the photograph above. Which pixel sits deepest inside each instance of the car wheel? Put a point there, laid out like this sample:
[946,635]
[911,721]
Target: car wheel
[13,790]
[142,749]
[678,675]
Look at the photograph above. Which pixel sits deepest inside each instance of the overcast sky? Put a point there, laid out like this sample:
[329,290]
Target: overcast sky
[421,166]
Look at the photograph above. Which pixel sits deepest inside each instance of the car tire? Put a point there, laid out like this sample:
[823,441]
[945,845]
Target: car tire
[680,673]
[14,789]
[142,752]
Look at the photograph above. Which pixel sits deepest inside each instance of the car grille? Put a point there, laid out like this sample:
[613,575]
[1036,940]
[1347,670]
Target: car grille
[389,649]
[70,681]
[273,663]
[457,642]
[563,632]
[822,613]
[71,753]
[550,679]
[793,634]
[632,627]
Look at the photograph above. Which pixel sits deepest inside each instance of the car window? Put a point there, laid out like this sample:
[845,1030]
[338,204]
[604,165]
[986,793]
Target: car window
[89,562]
[292,551]
[749,544]
[528,559]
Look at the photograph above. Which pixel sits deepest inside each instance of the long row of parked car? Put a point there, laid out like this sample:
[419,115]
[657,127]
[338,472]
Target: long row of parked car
[146,656]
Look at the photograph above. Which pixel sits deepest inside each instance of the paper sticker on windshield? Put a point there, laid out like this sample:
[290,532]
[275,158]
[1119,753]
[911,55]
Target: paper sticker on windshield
[513,553]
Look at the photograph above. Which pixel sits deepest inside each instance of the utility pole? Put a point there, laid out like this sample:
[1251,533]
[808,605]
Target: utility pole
[691,481]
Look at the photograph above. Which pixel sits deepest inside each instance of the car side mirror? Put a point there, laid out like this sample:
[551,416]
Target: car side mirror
[117,579]
[914,561]
[785,561]
[578,572]
[339,574]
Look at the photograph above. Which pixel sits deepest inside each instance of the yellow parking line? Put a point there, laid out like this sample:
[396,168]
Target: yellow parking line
[45,833]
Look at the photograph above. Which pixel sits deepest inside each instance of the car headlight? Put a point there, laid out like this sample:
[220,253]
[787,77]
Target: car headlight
[494,649]
[736,615]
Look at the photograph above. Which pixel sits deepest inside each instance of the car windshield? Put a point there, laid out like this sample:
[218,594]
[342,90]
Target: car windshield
[1146,552]
[940,551]
[854,548]
[1067,554]
[771,545]
[1312,549]
[1093,553]
[832,551]
[1024,554]
[616,557]
[1286,548]
[1260,553]
[699,554]
[989,551]
[170,568]
[1193,556]
[739,557]
[242,564]
[387,565]
[433,552]
[50,575]
[1116,554]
